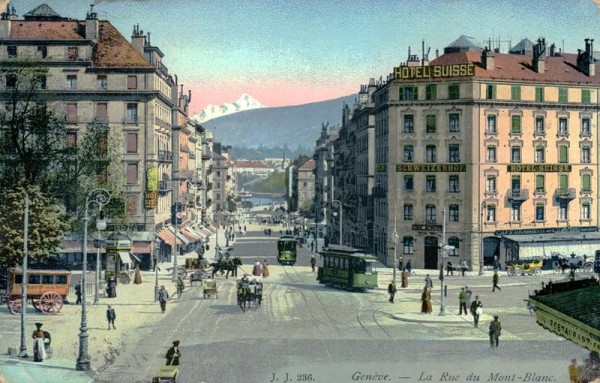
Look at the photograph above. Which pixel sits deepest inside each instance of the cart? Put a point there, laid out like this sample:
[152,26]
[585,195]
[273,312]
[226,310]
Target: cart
[529,266]
[46,290]
[210,288]
[166,374]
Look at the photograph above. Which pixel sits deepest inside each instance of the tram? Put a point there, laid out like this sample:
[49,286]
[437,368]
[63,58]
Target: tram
[347,268]
[286,250]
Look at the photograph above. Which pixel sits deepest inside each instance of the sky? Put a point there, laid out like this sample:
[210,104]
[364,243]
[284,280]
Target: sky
[291,52]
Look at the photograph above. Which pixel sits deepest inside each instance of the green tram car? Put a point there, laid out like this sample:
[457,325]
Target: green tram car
[286,250]
[347,268]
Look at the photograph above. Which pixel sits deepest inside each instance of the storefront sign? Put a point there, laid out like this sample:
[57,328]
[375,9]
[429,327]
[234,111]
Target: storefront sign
[412,168]
[548,230]
[525,168]
[567,330]
[425,227]
[151,199]
[433,71]
[152,179]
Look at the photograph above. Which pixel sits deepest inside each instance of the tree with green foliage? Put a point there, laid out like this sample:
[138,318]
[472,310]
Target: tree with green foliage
[46,225]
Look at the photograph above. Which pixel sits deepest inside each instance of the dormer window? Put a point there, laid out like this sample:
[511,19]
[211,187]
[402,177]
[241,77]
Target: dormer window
[42,51]
[72,53]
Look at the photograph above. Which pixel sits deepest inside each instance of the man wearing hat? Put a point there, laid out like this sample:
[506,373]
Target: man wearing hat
[39,349]
[163,295]
[111,315]
[173,354]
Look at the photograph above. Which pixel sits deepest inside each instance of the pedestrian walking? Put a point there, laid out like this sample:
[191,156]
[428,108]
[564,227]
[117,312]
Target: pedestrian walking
[163,295]
[256,270]
[400,264]
[495,282]
[404,278]
[463,267]
[111,315]
[426,301]
[265,269]
[462,301]
[409,266]
[112,287]
[180,287]
[392,291]
[494,331]
[173,354]
[78,293]
[574,372]
[313,262]
[428,282]
[476,310]
[469,296]
[312,246]
[39,348]
[449,269]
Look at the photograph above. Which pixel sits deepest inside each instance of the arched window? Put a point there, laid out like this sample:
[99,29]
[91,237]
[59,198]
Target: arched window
[409,245]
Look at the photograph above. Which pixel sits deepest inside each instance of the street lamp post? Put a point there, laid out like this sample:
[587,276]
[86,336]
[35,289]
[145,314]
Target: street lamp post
[99,197]
[23,348]
[100,225]
[443,249]
[483,206]
[341,219]
[156,254]
[395,235]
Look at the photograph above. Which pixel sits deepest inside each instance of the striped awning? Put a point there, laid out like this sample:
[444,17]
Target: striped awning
[168,237]
[207,233]
[212,228]
[180,236]
[189,235]
[197,233]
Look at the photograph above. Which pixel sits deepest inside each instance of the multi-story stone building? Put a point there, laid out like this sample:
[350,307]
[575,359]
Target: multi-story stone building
[323,158]
[500,149]
[223,181]
[98,78]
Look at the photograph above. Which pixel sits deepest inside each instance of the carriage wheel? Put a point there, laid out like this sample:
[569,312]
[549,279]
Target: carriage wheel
[537,271]
[588,267]
[510,271]
[182,274]
[124,278]
[51,302]
[14,306]
[36,304]
[518,271]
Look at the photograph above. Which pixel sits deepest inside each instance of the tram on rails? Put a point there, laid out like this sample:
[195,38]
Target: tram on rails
[286,250]
[347,268]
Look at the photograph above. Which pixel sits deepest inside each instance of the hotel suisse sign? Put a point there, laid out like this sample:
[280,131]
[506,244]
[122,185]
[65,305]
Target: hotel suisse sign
[434,71]
[524,168]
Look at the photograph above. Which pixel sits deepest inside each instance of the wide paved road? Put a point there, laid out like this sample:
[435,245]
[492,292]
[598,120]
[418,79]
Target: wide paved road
[307,332]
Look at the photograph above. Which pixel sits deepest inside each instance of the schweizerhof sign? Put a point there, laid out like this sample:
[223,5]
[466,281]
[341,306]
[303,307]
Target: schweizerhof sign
[434,71]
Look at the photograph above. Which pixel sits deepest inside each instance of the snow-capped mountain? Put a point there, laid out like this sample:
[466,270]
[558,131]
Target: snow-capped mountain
[245,102]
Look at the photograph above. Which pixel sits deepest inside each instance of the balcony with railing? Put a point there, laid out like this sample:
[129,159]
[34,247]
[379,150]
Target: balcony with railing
[565,194]
[164,186]
[518,195]
[165,156]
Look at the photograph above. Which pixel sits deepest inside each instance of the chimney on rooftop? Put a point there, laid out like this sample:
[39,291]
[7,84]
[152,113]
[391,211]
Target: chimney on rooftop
[91,25]
[6,21]
[138,39]
[539,56]
[585,59]
[487,59]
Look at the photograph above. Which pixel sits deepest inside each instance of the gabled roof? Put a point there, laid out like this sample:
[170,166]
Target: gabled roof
[111,51]
[42,12]
[461,44]
[560,68]
[523,47]
[307,166]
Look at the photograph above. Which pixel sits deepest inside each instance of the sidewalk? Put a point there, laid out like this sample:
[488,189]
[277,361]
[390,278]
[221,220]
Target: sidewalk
[17,370]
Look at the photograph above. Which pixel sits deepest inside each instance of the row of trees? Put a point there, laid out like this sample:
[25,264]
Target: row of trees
[55,165]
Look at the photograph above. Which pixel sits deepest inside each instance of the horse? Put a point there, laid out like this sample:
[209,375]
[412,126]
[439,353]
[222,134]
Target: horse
[244,296]
[228,266]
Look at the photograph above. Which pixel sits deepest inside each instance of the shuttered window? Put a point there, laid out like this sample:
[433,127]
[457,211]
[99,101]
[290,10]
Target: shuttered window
[516,124]
[539,94]
[131,82]
[102,112]
[563,154]
[132,143]
[132,204]
[586,182]
[430,124]
[71,112]
[563,182]
[539,182]
[132,173]
[515,92]
[586,96]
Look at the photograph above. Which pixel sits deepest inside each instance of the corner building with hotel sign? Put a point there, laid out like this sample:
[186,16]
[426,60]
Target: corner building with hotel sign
[504,143]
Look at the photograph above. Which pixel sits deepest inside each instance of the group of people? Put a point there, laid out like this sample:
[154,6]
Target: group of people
[260,270]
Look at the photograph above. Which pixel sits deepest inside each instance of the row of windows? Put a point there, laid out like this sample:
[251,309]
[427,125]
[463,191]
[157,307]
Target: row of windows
[540,183]
[71,82]
[585,154]
[430,213]
[409,246]
[431,123]
[540,125]
[101,112]
[131,142]
[431,183]
[431,153]
[411,93]
[585,212]
[71,53]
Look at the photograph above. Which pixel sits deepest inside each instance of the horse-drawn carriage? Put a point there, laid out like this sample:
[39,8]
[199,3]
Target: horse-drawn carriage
[229,265]
[210,288]
[46,289]
[529,266]
[249,292]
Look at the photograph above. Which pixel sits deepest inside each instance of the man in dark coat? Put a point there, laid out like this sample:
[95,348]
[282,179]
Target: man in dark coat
[392,290]
[495,329]
[476,306]
[111,315]
[495,282]
[313,262]
[78,293]
[173,354]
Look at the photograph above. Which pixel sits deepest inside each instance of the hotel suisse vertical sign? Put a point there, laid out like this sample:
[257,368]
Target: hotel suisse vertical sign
[151,200]
[434,71]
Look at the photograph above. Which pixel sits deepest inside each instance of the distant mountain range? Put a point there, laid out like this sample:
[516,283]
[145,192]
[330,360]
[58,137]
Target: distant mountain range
[296,126]
[211,111]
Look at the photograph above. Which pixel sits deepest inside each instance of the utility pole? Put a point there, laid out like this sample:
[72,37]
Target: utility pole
[23,348]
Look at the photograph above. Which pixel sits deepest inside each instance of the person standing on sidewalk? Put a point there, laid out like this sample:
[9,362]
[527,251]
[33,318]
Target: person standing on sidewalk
[428,282]
[78,293]
[163,295]
[180,287]
[265,269]
[400,264]
[313,262]
[39,348]
[574,372]
[409,266]
[462,301]
[469,295]
[392,291]
[495,329]
[495,282]
[404,278]
[426,301]
[111,315]
[476,309]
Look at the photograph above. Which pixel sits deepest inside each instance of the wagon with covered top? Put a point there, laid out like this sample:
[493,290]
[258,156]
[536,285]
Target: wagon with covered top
[46,289]
[249,292]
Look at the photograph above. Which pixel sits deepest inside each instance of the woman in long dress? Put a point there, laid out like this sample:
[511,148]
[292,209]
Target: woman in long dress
[265,269]
[426,301]
[39,349]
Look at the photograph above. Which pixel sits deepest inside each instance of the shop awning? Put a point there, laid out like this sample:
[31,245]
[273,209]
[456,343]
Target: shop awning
[168,237]
[180,236]
[189,235]
[571,310]
[142,247]
[544,245]
[202,236]
[125,258]
[212,228]
[205,231]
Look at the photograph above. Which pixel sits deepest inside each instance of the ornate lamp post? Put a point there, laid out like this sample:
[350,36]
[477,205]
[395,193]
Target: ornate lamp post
[444,248]
[100,225]
[23,348]
[335,201]
[483,206]
[99,197]
[156,254]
